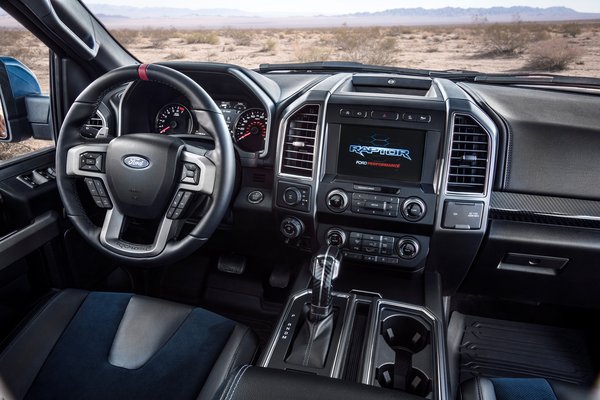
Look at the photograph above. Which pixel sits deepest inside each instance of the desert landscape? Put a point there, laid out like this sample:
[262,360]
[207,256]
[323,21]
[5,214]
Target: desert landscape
[570,48]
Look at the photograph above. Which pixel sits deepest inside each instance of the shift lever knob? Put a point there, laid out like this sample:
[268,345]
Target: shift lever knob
[325,267]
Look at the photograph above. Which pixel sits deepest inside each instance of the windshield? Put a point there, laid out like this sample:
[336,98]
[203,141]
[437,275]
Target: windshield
[488,36]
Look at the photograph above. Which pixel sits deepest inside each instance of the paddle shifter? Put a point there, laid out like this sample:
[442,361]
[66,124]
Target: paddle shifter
[311,344]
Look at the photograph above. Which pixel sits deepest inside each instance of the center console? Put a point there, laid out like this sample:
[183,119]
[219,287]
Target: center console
[395,172]
[359,337]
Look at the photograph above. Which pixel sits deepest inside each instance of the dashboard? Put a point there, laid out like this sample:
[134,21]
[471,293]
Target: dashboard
[406,173]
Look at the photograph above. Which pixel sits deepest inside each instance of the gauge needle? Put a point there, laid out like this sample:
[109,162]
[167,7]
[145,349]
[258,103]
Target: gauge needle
[165,129]
[244,136]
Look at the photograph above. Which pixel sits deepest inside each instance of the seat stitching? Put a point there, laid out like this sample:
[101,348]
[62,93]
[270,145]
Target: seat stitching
[477,384]
[229,384]
[237,351]
[239,379]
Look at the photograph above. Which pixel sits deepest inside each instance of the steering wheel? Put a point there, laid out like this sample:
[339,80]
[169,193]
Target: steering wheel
[145,176]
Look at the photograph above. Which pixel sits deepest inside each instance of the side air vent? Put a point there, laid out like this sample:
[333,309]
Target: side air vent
[468,157]
[94,125]
[299,143]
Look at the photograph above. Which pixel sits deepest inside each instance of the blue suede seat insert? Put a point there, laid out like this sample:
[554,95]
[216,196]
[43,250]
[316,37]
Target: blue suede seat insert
[78,367]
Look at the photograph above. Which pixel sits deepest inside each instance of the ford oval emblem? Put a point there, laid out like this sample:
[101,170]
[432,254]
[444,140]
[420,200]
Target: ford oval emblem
[136,162]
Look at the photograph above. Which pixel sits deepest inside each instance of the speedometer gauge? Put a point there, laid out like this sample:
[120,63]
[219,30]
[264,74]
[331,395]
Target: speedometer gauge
[251,130]
[174,119]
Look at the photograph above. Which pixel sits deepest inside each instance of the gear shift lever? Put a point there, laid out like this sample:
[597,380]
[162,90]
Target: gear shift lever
[310,346]
[325,267]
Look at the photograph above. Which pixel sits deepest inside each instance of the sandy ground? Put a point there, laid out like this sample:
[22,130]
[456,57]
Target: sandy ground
[435,47]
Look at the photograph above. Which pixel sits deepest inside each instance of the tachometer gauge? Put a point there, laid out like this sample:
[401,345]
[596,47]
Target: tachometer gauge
[174,119]
[251,130]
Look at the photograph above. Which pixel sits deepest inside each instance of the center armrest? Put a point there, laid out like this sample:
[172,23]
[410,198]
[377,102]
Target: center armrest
[256,383]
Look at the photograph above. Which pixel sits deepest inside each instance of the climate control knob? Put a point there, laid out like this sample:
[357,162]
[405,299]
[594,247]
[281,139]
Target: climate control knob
[408,248]
[291,228]
[413,209]
[337,200]
[292,196]
[336,237]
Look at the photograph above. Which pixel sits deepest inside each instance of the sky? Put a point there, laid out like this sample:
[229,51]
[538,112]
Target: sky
[312,7]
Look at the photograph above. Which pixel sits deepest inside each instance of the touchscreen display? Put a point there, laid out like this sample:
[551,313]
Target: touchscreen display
[384,153]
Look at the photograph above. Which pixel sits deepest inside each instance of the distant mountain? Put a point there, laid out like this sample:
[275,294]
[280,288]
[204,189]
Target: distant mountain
[525,13]
[107,11]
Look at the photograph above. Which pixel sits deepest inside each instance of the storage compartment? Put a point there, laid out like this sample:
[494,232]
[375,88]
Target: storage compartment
[538,263]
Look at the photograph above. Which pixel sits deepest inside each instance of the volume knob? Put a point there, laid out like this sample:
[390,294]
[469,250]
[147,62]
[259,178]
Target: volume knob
[413,209]
[337,200]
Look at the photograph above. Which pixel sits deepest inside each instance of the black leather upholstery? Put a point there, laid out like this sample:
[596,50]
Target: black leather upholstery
[480,388]
[145,327]
[254,383]
[477,389]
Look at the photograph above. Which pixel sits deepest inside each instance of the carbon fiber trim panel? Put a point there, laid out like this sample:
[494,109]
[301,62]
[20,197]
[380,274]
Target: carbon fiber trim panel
[545,209]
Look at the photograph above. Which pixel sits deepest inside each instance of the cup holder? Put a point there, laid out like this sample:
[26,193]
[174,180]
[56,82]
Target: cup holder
[416,382]
[406,336]
[405,333]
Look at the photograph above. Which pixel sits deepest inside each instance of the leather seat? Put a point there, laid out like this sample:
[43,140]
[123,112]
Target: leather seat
[95,345]
[519,389]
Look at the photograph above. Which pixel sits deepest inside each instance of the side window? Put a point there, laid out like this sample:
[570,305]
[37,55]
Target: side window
[25,117]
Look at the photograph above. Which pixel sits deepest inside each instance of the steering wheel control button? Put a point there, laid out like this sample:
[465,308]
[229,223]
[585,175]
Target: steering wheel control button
[184,200]
[291,228]
[337,201]
[91,162]
[462,215]
[255,197]
[413,209]
[190,174]
[408,248]
[178,204]
[91,186]
[98,192]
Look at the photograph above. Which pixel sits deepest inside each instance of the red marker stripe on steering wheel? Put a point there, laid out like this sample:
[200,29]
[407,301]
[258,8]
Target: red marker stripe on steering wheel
[142,72]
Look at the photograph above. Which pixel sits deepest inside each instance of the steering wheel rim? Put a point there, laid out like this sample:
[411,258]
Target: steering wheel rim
[216,168]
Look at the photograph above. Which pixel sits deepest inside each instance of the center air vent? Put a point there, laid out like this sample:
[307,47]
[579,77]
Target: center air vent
[299,143]
[469,157]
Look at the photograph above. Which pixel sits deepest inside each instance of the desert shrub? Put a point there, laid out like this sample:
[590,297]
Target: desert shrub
[366,45]
[241,37]
[270,45]
[553,55]
[176,55]
[571,30]
[159,37]
[507,40]
[312,53]
[200,37]
[125,36]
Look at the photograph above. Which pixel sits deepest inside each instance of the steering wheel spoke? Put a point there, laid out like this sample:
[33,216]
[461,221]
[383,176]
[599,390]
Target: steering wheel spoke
[110,236]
